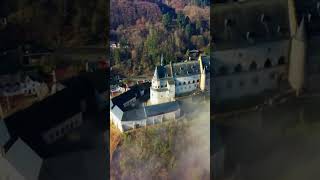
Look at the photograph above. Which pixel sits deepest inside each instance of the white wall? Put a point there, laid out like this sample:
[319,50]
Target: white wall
[62,129]
[223,90]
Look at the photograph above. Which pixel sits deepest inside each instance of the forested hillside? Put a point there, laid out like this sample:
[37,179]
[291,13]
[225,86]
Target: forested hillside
[147,29]
[58,22]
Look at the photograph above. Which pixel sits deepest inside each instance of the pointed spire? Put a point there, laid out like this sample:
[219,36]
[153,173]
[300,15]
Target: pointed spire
[161,61]
[156,75]
[301,31]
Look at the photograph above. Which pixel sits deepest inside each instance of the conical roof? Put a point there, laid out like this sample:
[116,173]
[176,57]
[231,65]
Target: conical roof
[156,75]
[301,31]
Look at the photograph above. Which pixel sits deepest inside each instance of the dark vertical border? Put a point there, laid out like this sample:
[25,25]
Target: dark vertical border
[211,90]
[107,29]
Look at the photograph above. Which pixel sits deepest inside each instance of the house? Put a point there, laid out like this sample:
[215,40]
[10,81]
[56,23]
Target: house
[143,116]
[48,121]
[17,84]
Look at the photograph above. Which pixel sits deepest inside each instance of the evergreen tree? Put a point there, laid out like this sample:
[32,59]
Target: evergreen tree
[166,20]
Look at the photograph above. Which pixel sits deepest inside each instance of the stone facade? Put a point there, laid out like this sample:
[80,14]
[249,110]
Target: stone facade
[170,81]
[266,51]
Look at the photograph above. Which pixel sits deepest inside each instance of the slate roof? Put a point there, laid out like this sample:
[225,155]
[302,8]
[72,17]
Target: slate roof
[25,160]
[182,69]
[134,92]
[231,30]
[31,122]
[147,111]
[161,108]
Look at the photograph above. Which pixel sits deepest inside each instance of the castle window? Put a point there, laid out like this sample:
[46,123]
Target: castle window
[229,84]
[193,81]
[184,83]
[281,60]
[165,85]
[238,68]
[179,83]
[197,80]
[253,66]
[188,82]
[223,70]
[267,64]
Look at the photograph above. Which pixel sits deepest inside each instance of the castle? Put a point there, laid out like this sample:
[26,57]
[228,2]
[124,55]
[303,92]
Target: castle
[178,79]
[265,46]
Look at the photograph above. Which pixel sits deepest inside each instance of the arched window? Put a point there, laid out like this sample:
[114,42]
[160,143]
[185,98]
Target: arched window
[253,66]
[223,70]
[281,60]
[267,64]
[238,68]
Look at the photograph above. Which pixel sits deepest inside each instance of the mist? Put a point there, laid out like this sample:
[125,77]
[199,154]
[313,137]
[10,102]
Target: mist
[174,150]
[279,142]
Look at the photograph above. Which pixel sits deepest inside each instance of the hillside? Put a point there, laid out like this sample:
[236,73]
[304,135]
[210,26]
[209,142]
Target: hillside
[57,23]
[126,13]
[169,151]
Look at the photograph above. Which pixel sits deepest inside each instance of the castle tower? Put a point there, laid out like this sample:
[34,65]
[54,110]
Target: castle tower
[292,17]
[298,59]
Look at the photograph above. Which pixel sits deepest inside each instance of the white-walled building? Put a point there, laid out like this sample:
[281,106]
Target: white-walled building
[13,85]
[176,79]
[143,116]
